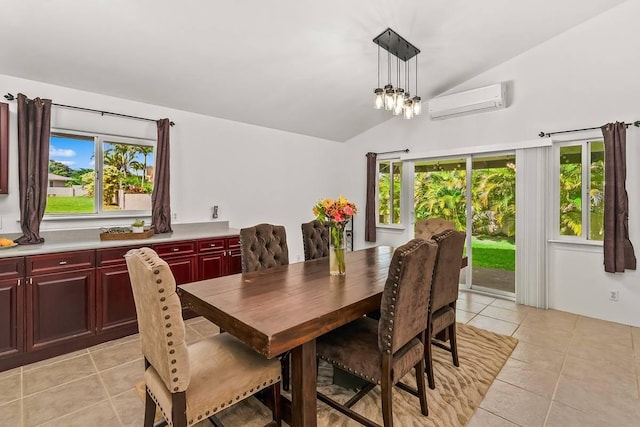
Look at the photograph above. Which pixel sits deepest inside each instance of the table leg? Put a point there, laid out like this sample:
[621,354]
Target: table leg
[303,385]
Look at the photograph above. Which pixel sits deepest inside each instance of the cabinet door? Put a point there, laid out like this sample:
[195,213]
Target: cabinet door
[234,261]
[184,269]
[211,265]
[115,304]
[60,308]
[11,316]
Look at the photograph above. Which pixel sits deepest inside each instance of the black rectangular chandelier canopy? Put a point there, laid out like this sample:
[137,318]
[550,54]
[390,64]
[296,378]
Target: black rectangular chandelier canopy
[396,44]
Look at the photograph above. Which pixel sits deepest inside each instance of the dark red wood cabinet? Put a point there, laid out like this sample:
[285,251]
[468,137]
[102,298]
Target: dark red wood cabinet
[4,148]
[60,302]
[11,306]
[60,298]
[115,308]
[218,257]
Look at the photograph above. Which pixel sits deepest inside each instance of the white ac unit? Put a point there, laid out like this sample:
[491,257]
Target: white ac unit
[485,98]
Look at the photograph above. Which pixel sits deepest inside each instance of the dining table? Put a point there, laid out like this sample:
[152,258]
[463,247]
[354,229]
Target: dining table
[285,308]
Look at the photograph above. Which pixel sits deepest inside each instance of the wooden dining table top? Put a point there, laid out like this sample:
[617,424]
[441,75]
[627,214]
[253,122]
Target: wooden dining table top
[280,308]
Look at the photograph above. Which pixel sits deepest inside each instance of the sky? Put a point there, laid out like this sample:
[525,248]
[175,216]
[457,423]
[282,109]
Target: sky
[78,153]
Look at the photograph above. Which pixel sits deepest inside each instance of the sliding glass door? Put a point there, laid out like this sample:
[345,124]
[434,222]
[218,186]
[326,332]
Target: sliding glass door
[477,193]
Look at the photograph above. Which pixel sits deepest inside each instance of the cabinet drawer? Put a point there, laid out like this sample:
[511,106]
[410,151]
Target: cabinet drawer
[11,268]
[112,256]
[64,261]
[175,249]
[211,245]
[233,242]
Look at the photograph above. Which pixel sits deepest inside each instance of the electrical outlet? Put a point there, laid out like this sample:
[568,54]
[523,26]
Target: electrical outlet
[214,212]
[613,295]
[174,215]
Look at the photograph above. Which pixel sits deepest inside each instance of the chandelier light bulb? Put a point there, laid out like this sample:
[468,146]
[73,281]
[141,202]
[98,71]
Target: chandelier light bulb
[378,98]
[417,105]
[408,109]
[388,97]
[399,97]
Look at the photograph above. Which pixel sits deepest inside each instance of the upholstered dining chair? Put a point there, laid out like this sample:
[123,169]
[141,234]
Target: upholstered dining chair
[189,383]
[444,294]
[426,228]
[315,239]
[382,352]
[263,246]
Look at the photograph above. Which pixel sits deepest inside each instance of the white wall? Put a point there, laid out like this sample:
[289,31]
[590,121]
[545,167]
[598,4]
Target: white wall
[585,77]
[253,174]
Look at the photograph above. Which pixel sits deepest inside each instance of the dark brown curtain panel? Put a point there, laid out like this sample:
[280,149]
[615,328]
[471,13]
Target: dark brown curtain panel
[618,250]
[370,208]
[34,129]
[160,201]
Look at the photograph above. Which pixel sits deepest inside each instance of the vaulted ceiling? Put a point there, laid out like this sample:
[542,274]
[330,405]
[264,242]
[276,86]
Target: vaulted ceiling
[302,66]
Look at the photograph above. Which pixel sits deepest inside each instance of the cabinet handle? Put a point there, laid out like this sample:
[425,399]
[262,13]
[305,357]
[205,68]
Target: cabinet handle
[19,282]
[213,245]
[62,263]
[31,280]
[175,249]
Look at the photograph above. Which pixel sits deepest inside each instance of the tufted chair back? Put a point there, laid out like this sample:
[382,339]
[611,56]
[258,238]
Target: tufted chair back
[162,331]
[446,276]
[263,246]
[427,228]
[315,238]
[405,299]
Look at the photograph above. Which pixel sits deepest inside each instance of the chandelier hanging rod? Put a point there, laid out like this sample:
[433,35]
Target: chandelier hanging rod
[10,97]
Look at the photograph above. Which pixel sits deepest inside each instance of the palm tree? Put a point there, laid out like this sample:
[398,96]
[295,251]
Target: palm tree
[145,150]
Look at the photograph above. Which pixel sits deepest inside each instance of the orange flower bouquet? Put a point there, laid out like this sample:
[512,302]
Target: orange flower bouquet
[336,214]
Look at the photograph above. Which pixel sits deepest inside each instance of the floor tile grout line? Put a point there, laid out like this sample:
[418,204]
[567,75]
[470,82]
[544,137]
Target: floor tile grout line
[59,385]
[54,363]
[113,406]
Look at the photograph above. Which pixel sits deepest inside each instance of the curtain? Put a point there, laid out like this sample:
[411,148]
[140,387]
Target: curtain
[370,208]
[160,201]
[34,129]
[618,250]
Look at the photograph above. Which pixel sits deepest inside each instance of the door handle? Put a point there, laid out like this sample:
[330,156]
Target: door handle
[62,263]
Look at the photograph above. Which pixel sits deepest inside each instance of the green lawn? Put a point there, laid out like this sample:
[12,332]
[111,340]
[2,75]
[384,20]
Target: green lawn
[64,204]
[72,205]
[498,253]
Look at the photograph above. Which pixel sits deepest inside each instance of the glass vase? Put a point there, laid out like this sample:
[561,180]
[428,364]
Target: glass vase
[337,250]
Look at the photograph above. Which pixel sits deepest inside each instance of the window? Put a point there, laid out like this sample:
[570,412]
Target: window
[99,174]
[389,185]
[581,189]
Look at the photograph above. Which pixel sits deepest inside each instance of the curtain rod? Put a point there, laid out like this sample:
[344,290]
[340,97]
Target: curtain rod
[543,134]
[10,97]
[406,150]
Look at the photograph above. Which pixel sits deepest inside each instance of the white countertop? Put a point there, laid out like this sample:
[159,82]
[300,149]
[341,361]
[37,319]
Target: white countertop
[73,240]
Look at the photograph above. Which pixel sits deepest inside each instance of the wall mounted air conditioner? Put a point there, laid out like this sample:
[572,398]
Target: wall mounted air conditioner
[485,98]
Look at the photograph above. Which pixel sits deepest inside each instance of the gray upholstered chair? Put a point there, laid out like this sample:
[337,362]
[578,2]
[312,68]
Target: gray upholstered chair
[444,294]
[263,246]
[189,383]
[382,352]
[426,228]
[315,239]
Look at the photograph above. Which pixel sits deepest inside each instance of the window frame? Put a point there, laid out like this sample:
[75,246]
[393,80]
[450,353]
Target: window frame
[585,143]
[99,139]
[391,225]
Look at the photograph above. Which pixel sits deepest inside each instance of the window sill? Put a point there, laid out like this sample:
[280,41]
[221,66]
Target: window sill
[90,217]
[398,227]
[592,243]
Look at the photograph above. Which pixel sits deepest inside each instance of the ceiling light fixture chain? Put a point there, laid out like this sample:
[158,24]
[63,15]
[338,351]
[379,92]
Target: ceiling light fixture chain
[397,100]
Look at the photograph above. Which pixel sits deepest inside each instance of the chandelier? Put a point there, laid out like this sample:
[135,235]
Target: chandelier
[398,100]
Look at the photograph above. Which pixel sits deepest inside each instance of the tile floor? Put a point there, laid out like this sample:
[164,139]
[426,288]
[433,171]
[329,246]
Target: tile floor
[567,370]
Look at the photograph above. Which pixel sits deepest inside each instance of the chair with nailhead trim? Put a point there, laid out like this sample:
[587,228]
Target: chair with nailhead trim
[189,383]
[315,240]
[444,294]
[382,352]
[263,246]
